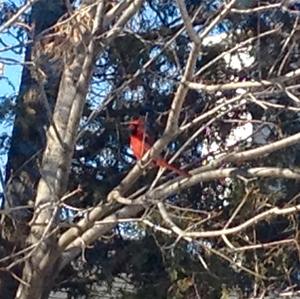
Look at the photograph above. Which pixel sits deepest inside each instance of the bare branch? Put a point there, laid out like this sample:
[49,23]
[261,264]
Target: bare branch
[229,231]
[244,84]
[188,23]
[15,17]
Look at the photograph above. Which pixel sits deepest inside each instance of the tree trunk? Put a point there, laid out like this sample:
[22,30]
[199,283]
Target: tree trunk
[76,51]
[29,137]
[61,137]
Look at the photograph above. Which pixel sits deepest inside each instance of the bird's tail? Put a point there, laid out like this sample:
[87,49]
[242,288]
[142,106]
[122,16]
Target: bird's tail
[165,164]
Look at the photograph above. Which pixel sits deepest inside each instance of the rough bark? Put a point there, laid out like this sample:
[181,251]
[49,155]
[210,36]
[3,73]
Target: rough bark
[39,163]
[28,139]
[79,58]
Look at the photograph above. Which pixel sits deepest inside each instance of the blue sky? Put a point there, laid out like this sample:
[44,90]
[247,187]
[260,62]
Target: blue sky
[12,67]
[11,60]
[10,82]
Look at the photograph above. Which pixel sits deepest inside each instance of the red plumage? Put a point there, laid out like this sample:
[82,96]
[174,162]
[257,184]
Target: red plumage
[140,143]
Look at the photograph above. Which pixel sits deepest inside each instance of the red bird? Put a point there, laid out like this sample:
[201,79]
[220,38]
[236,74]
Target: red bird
[140,143]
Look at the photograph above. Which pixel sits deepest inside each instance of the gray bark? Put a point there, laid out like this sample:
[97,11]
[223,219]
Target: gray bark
[28,138]
[40,265]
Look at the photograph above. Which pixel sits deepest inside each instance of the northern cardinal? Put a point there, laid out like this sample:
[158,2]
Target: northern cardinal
[140,143]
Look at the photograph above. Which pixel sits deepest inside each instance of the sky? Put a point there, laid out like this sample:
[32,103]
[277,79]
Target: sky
[11,60]
[9,79]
